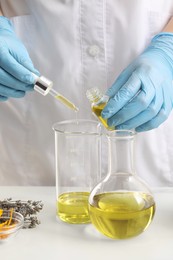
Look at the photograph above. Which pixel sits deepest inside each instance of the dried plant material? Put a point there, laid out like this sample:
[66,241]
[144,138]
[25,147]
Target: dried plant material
[28,209]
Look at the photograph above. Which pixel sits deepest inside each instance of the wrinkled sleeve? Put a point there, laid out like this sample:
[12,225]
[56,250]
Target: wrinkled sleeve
[11,8]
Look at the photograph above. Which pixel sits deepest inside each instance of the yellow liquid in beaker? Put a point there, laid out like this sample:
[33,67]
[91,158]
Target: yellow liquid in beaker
[72,207]
[122,215]
[97,109]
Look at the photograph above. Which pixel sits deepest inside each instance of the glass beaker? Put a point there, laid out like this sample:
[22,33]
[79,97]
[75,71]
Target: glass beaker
[77,157]
[121,205]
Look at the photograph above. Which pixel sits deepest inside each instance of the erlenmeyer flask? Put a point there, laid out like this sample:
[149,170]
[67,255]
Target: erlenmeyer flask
[121,205]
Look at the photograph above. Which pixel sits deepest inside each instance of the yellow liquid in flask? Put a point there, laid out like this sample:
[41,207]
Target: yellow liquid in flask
[97,109]
[121,215]
[72,207]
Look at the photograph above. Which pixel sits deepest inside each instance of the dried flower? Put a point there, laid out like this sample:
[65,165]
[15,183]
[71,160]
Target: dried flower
[4,222]
[28,209]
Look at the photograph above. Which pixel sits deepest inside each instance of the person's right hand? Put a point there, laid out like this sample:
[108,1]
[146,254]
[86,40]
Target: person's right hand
[16,66]
[142,95]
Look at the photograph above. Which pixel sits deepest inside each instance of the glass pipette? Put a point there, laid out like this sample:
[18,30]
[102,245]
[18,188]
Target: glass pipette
[63,99]
[44,87]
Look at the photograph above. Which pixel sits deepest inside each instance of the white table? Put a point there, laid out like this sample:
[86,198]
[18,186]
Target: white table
[54,239]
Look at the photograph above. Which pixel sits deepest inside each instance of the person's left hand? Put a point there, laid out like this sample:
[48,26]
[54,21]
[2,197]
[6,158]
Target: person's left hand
[142,96]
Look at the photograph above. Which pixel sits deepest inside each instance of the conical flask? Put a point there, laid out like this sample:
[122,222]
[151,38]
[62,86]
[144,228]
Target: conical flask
[121,205]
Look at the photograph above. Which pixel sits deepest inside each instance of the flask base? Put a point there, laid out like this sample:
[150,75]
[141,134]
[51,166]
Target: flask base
[121,215]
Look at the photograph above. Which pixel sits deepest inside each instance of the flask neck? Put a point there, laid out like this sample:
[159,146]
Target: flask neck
[121,152]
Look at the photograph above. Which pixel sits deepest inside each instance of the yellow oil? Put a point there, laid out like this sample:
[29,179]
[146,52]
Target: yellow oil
[66,102]
[122,215]
[97,109]
[72,207]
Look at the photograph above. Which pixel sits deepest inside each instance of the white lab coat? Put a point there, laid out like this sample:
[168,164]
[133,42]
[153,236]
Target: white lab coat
[78,44]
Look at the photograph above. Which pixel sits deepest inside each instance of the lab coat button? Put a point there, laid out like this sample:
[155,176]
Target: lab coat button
[94,50]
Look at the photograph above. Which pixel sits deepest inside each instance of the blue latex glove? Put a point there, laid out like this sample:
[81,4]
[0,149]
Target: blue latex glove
[142,96]
[15,64]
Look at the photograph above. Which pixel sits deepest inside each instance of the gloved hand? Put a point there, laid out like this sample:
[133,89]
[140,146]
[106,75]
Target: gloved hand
[142,96]
[15,64]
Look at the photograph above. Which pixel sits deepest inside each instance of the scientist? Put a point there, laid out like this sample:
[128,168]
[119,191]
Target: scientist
[123,47]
